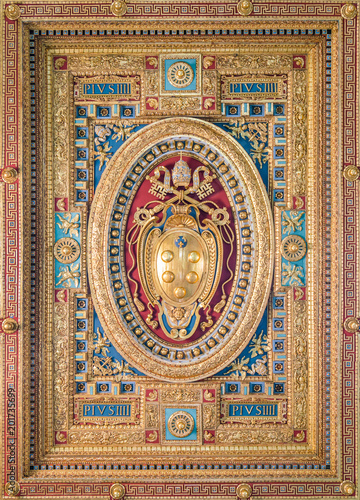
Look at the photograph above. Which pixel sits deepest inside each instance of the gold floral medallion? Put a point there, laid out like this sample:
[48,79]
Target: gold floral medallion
[181,424]
[66,250]
[180,74]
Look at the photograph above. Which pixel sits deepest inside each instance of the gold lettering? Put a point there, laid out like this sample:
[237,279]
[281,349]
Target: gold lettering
[88,88]
[101,89]
[86,410]
[103,409]
[247,409]
[258,85]
[111,411]
[247,86]
[111,89]
[258,410]
[234,410]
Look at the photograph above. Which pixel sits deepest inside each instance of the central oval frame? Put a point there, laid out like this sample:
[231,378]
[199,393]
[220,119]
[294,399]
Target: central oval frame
[99,225]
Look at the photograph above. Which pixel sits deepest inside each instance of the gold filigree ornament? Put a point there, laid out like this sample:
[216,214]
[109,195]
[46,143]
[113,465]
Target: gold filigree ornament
[9,325]
[12,12]
[12,488]
[175,251]
[119,8]
[293,248]
[352,324]
[245,7]
[181,424]
[351,173]
[117,490]
[180,74]
[66,250]
[244,491]
[9,175]
[347,488]
[349,11]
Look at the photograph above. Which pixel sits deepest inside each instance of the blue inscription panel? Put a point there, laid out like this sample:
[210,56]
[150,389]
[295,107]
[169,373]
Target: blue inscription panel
[107,88]
[107,409]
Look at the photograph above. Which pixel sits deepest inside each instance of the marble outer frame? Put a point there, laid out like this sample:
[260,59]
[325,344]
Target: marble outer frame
[348,190]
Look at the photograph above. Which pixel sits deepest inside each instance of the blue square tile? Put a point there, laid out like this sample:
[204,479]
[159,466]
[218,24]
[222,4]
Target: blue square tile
[257,110]
[232,110]
[127,112]
[279,366]
[257,387]
[232,387]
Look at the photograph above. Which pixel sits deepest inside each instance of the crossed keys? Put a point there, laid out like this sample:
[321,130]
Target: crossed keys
[202,189]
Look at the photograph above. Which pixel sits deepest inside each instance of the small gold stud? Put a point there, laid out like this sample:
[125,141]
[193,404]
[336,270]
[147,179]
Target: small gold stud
[117,490]
[12,12]
[12,488]
[245,7]
[347,488]
[351,324]
[119,8]
[351,173]
[9,175]
[349,11]
[9,325]
[244,491]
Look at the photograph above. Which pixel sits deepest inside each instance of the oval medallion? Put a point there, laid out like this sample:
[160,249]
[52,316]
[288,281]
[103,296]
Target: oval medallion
[181,249]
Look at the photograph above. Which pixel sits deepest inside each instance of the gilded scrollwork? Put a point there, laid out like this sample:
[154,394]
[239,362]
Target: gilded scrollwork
[300,365]
[263,62]
[61,151]
[209,83]
[180,103]
[152,416]
[61,363]
[256,436]
[105,63]
[299,132]
[103,437]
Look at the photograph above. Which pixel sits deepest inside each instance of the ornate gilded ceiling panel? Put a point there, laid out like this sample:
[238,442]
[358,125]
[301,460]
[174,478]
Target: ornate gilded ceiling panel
[179,250]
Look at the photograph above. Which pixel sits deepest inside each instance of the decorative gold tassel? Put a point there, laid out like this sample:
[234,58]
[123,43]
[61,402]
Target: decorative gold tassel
[138,303]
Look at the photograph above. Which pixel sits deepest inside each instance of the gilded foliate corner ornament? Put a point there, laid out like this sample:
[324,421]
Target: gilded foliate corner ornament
[119,8]
[245,7]
[117,490]
[189,241]
[347,488]
[244,491]
[349,11]
[12,12]
[351,173]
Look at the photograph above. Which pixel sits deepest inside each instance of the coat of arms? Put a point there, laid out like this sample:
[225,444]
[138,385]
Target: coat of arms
[179,250]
